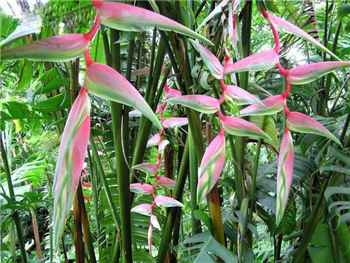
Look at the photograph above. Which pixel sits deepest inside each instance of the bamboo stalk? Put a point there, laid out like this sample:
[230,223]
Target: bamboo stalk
[38,251]
[13,199]
[244,240]
[179,189]
[214,205]
[193,167]
[85,225]
[122,170]
[78,234]
[145,125]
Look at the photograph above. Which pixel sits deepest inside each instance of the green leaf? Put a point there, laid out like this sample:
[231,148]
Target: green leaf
[26,75]
[52,104]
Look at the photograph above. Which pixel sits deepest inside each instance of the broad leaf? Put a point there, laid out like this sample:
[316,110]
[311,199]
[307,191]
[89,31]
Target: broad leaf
[239,95]
[166,201]
[263,60]
[141,188]
[307,73]
[284,174]
[210,60]
[70,160]
[126,17]
[107,83]
[240,127]
[201,103]
[211,166]
[300,122]
[268,106]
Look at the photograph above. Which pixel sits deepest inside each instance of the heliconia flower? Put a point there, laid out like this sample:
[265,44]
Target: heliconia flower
[165,181]
[201,103]
[210,60]
[299,122]
[162,145]
[155,222]
[217,10]
[166,201]
[53,49]
[270,105]
[211,166]
[284,174]
[263,60]
[149,237]
[241,96]
[307,73]
[240,127]
[170,92]
[154,140]
[126,17]
[143,209]
[107,83]
[151,168]
[141,188]
[70,162]
[290,28]
[174,122]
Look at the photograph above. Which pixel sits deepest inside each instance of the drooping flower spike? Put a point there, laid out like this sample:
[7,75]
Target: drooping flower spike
[295,121]
[160,141]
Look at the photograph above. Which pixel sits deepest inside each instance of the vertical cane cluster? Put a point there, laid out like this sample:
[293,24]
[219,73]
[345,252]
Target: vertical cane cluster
[158,140]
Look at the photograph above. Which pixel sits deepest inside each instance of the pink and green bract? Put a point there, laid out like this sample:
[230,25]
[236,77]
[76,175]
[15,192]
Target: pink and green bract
[70,161]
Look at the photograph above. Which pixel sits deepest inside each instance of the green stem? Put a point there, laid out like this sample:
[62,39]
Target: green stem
[145,125]
[95,196]
[78,235]
[85,223]
[179,190]
[196,224]
[244,241]
[122,170]
[15,215]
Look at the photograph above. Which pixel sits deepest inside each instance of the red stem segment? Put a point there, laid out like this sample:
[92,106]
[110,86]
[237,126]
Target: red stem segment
[283,71]
[95,27]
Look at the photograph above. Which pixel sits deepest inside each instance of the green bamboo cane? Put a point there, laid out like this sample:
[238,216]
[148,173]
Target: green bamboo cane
[15,215]
[179,189]
[122,170]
